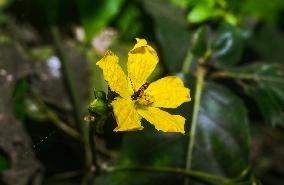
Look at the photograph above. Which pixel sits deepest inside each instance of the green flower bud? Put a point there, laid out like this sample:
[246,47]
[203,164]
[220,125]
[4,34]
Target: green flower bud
[98,107]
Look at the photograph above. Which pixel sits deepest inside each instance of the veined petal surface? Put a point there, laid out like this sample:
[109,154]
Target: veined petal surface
[162,120]
[168,92]
[142,60]
[126,116]
[114,74]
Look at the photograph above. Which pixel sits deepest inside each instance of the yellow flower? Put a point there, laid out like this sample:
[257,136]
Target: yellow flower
[140,99]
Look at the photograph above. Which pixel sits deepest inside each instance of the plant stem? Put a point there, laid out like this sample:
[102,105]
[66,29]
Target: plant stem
[56,120]
[63,126]
[244,76]
[93,146]
[75,99]
[199,86]
[227,74]
[188,173]
[68,80]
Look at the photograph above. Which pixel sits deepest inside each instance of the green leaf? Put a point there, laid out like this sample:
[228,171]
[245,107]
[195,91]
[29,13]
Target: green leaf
[203,13]
[227,46]
[95,15]
[127,23]
[222,133]
[25,106]
[33,110]
[200,42]
[149,148]
[162,148]
[205,10]
[20,91]
[268,42]
[266,10]
[171,31]
[267,89]
[199,14]
[230,18]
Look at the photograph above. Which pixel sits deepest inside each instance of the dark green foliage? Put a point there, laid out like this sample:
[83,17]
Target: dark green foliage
[222,136]
[227,45]
[237,44]
[171,31]
[268,42]
[148,148]
[200,41]
[95,15]
[266,87]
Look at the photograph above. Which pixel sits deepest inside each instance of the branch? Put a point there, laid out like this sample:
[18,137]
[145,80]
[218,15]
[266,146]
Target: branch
[188,173]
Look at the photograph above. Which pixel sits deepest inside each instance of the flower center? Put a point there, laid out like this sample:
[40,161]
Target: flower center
[145,100]
[141,98]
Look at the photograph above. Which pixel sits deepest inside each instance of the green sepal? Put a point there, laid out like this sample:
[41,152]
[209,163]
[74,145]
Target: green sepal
[99,105]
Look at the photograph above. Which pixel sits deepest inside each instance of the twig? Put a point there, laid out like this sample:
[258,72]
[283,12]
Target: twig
[56,120]
[188,173]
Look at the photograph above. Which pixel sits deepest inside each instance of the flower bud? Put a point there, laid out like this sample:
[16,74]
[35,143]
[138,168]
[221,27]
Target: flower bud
[98,106]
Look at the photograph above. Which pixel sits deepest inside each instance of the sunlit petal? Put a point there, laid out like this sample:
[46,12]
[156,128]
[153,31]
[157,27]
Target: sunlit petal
[162,120]
[126,116]
[168,92]
[142,60]
[114,74]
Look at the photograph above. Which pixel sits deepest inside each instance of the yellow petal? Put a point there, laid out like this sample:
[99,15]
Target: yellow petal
[142,60]
[162,120]
[126,116]
[168,92]
[114,74]
[140,42]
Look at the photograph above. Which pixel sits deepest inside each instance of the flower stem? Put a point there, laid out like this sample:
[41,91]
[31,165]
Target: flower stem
[93,167]
[92,144]
[188,173]
[198,90]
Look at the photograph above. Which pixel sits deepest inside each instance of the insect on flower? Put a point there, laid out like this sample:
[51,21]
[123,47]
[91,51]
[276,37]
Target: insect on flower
[138,98]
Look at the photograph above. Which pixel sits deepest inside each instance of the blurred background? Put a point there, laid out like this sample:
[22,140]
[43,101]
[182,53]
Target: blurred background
[48,76]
